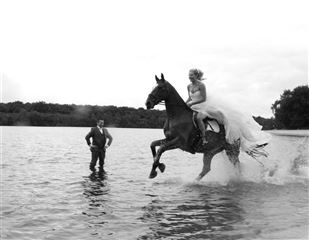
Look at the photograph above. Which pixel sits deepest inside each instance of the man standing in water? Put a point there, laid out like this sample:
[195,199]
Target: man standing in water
[98,146]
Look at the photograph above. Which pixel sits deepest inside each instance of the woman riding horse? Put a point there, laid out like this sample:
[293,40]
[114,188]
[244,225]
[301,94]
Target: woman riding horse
[183,133]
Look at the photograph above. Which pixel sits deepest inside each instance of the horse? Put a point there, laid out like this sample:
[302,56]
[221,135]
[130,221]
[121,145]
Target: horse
[182,132]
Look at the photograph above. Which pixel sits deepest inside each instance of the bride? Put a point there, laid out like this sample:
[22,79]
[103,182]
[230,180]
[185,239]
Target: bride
[237,125]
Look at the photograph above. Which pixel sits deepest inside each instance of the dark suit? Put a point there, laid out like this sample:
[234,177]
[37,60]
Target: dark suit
[98,149]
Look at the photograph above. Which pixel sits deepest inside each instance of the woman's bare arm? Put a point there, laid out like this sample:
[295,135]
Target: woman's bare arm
[189,98]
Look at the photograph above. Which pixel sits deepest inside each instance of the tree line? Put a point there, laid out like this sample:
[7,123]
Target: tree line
[49,114]
[290,112]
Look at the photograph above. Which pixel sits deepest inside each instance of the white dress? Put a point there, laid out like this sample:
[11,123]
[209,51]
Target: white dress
[237,124]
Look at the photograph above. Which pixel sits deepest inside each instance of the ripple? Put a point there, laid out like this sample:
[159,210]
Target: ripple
[48,191]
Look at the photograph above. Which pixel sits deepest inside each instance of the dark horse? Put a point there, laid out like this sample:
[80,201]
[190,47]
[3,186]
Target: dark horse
[181,131]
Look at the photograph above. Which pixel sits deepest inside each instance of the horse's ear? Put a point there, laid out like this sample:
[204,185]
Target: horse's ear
[162,77]
[157,79]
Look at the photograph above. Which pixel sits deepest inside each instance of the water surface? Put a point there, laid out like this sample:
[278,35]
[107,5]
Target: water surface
[49,193]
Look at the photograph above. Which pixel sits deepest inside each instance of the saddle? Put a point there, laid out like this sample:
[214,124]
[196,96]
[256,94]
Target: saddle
[211,125]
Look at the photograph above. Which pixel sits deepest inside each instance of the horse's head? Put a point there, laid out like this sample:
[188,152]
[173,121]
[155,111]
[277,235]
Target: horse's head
[158,94]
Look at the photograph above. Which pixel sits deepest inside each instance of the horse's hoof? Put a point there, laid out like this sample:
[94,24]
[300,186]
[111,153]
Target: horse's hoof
[161,167]
[153,174]
[198,178]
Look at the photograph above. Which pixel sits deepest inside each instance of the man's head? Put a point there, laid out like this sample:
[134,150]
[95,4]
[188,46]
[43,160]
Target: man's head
[100,123]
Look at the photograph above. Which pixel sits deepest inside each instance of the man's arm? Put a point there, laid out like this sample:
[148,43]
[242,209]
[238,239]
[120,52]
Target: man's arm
[108,136]
[88,136]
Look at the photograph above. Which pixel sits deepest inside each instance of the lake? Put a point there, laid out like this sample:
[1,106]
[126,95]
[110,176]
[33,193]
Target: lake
[48,192]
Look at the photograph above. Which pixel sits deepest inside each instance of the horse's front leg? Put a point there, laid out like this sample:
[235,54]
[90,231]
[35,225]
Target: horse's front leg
[165,145]
[155,144]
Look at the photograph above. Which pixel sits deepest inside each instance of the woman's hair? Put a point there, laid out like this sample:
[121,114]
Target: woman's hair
[197,73]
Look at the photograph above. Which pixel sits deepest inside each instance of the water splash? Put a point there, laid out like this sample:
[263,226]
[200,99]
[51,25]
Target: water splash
[287,163]
[288,160]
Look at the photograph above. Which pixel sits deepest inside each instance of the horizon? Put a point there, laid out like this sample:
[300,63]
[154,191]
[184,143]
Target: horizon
[90,105]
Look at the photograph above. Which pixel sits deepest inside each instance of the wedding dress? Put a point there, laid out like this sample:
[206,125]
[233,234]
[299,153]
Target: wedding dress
[237,124]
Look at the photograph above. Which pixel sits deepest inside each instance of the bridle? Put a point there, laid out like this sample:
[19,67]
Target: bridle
[153,98]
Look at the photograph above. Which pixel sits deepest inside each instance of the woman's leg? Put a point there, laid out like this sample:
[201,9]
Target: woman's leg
[201,126]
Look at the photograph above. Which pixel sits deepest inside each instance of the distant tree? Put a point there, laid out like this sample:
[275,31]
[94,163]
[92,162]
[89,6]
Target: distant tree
[291,111]
[40,107]
[48,114]
[10,121]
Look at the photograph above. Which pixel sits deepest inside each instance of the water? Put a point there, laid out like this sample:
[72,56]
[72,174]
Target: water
[47,191]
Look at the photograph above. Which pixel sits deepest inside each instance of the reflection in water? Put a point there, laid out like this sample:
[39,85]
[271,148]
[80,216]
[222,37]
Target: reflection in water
[210,215]
[96,191]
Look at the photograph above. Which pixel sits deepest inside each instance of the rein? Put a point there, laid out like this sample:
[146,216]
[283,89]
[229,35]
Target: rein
[164,104]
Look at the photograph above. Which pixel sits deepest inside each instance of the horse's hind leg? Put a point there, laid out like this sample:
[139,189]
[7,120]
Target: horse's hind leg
[206,165]
[232,151]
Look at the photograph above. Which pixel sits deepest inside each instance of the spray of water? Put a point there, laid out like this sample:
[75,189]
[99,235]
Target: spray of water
[287,163]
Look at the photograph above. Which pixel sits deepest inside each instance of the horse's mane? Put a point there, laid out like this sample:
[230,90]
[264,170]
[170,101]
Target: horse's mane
[176,96]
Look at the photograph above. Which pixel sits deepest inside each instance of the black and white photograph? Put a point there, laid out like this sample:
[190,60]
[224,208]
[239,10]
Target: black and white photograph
[145,120]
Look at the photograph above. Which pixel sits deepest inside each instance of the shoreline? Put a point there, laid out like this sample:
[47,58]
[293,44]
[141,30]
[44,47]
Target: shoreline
[291,133]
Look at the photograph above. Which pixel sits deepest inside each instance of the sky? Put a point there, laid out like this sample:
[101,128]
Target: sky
[108,52]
